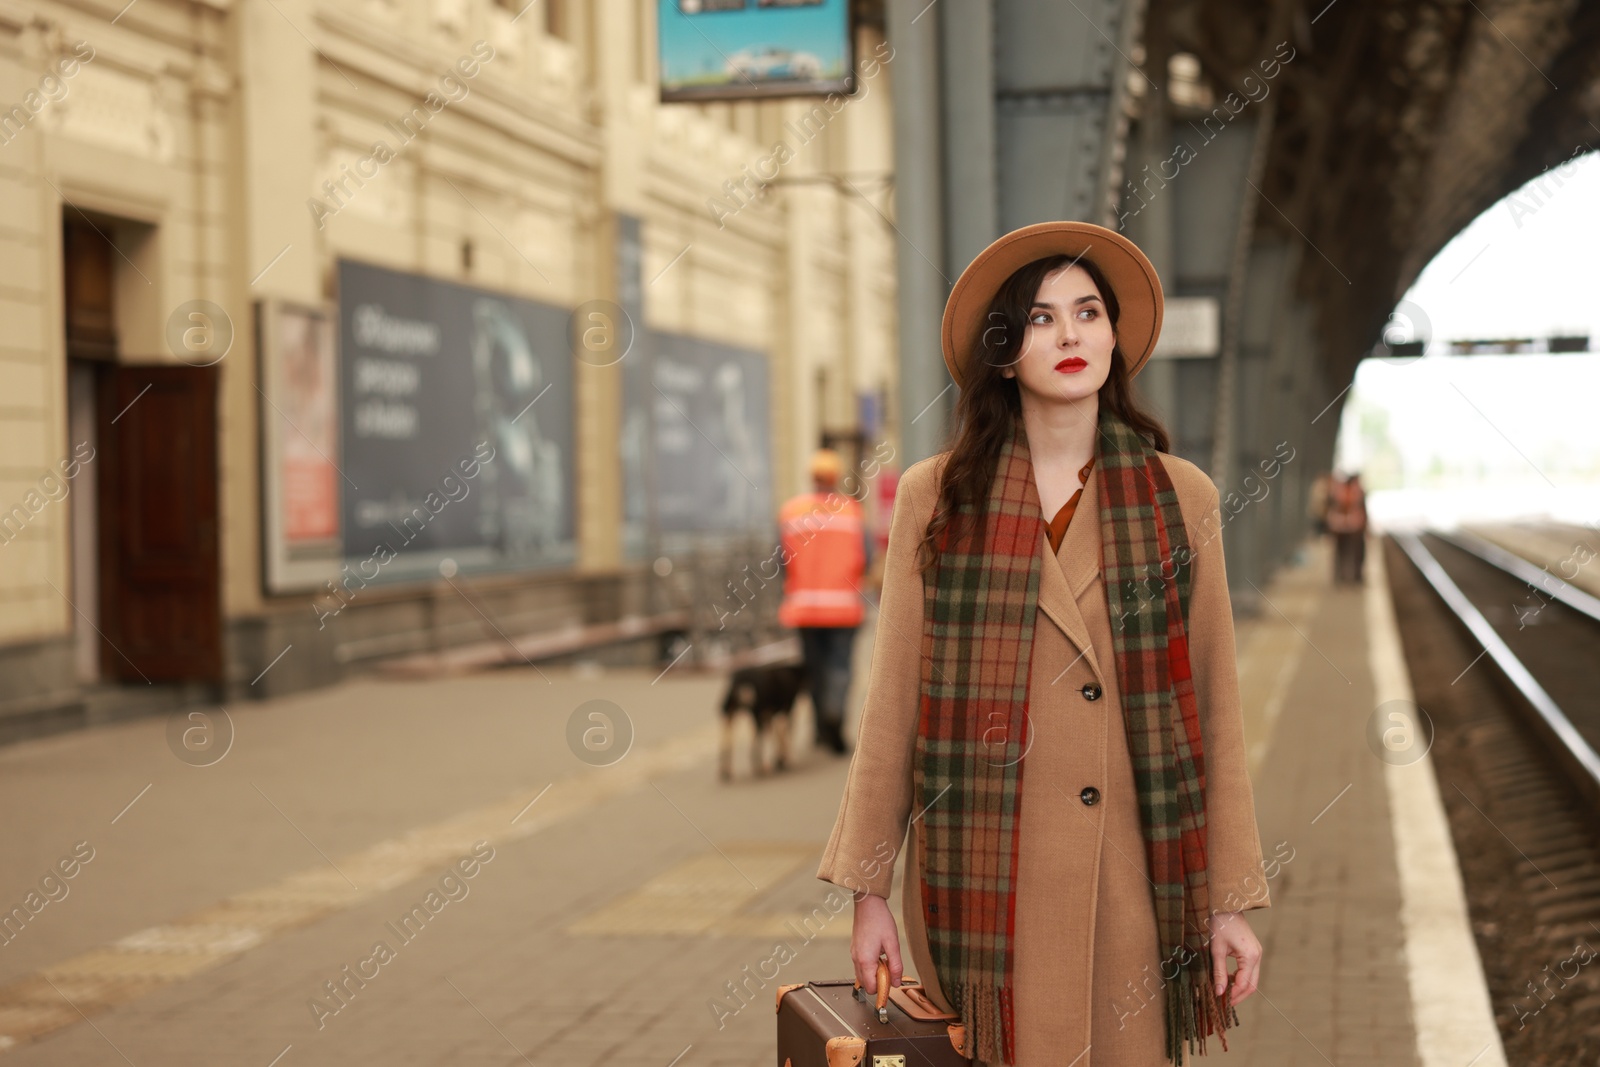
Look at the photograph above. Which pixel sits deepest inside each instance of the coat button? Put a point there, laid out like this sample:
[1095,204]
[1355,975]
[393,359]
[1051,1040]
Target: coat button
[1090,795]
[1091,692]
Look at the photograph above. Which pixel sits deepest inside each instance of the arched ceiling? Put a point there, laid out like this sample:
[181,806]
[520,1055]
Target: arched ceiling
[1399,122]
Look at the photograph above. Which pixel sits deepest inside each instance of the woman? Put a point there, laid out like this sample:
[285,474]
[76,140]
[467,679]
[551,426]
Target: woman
[1347,521]
[1072,884]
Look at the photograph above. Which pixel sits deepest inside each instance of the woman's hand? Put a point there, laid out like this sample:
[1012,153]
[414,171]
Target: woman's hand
[874,932]
[1231,936]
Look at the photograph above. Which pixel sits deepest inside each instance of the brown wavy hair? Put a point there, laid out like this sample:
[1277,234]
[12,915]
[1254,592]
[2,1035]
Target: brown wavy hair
[990,400]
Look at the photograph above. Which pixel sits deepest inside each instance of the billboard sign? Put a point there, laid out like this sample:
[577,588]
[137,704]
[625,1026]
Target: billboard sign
[754,49]
[712,448]
[456,427]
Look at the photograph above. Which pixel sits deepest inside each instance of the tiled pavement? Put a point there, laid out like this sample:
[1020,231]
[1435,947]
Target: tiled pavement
[631,915]
[1334,986]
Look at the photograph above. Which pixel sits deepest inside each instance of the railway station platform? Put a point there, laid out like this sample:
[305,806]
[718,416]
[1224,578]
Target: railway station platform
[441,871]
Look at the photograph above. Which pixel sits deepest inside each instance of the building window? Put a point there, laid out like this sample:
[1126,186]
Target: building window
[555,19]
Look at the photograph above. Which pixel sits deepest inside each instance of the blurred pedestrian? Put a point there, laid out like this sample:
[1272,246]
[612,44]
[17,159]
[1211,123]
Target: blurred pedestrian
[825,553]
[1317,504]
[1347,521]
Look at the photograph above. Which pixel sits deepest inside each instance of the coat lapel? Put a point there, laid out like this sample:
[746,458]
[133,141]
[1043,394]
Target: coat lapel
[1065,574]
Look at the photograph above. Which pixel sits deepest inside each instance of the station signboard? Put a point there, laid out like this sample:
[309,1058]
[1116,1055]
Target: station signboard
[1190,326]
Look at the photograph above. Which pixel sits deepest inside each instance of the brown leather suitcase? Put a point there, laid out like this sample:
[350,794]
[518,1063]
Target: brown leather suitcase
[837,1024]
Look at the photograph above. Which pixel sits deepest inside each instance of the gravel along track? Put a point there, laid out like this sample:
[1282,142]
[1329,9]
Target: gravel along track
[1527,837]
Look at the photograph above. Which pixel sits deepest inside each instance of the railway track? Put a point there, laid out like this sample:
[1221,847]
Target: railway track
[1505,661]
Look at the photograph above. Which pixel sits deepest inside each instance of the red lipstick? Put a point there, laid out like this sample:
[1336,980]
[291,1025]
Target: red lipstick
[1071,365]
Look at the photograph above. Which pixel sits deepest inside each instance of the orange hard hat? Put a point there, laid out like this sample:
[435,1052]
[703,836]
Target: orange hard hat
[826,465]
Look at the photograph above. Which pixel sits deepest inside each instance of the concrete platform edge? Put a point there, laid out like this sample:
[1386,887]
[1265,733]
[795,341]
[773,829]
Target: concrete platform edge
[1454,1018]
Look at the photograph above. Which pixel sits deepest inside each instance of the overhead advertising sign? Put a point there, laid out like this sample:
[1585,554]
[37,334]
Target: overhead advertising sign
[753,49]
[456,427]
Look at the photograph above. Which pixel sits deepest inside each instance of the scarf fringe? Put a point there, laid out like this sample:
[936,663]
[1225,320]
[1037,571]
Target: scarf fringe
[986,1012]
[1195,1011]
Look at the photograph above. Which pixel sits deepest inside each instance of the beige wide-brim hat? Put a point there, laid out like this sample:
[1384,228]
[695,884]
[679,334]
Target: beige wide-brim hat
[1126,270]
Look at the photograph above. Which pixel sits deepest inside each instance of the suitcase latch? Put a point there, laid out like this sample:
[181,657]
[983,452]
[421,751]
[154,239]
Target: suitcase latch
[888,1061]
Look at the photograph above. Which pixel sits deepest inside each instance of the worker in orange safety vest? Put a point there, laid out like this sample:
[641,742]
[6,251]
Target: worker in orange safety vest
[1347,521]
[825,552]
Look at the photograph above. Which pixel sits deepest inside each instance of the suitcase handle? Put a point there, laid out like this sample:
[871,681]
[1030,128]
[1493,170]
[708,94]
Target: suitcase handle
[883,988]
[915,1003]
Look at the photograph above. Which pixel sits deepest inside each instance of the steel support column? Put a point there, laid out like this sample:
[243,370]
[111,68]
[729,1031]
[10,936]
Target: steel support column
[971,208]
[1059,94]
[925,390]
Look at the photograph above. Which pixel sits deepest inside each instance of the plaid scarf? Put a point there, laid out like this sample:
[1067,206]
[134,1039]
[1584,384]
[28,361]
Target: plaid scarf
[972,734]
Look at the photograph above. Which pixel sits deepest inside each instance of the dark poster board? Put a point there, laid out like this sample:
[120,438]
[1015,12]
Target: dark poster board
[712,437]
[456,412]
[637,457]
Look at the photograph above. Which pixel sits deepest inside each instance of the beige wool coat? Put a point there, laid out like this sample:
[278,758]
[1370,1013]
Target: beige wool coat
[1088,990]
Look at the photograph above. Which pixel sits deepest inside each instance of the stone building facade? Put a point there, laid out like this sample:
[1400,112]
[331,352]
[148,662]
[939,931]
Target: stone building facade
[163,156]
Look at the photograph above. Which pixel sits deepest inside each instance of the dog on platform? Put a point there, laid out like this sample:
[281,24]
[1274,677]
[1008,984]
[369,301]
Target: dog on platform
[768,693]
